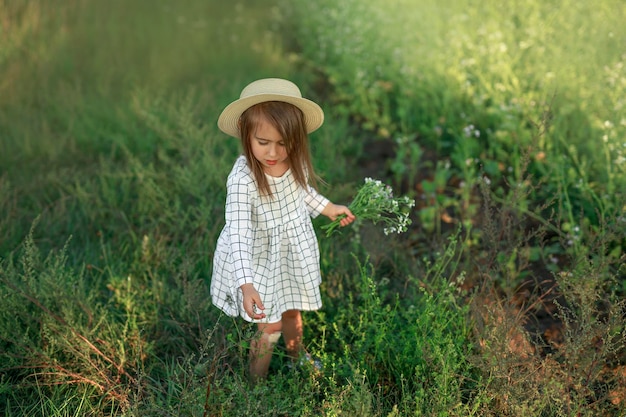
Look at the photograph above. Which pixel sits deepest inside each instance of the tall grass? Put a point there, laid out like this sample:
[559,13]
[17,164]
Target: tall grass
[97,86]
[109,149]
[518,99]
[468,80]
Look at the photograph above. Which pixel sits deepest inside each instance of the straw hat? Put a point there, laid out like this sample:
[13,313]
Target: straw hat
[269,89]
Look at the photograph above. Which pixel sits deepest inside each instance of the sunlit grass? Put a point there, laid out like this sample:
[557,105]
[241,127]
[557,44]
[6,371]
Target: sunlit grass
[72,70]
[495,66]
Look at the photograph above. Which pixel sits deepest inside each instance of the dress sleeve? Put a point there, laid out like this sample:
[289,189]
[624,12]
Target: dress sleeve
[239,222]
[315,202]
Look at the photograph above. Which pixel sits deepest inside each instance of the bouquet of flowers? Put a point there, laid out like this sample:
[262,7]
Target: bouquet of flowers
[375,201]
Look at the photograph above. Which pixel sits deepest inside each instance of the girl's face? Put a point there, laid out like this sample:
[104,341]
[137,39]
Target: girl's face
[268,147]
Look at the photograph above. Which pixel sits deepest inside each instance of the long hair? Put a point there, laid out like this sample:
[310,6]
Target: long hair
[288,120]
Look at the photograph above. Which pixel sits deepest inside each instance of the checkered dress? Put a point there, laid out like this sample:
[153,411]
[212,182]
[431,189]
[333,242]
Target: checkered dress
[270,243]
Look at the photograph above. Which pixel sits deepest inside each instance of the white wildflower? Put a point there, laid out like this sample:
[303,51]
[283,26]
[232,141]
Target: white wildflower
[374,201]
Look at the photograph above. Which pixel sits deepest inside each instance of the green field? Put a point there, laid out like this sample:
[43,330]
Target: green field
[505,121]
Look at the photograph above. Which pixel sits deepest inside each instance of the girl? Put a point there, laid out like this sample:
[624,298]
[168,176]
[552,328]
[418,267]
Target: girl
[266,263]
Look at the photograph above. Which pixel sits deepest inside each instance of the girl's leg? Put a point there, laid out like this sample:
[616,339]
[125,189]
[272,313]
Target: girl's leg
[261,349]
[292,332]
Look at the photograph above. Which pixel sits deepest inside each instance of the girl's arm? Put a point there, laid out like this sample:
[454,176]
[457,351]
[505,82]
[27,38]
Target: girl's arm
[332,211]
[239,222]
[252,301]
[318,204]
[315,202]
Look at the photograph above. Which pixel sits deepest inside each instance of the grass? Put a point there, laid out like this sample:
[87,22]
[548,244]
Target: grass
[504,298]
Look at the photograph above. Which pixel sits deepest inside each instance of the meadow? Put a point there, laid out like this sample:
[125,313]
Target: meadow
[506,122]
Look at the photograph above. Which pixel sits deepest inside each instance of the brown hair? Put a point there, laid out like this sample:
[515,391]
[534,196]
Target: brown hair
[288,120]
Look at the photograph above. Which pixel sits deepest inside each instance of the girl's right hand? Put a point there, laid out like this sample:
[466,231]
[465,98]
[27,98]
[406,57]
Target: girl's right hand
[252,302]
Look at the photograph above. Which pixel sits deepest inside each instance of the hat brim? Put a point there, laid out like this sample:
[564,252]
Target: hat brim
[228,121]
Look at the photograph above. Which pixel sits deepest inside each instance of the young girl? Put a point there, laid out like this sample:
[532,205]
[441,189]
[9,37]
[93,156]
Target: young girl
[266,263]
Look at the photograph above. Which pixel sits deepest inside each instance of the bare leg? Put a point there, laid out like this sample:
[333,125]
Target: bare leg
[292,332]
[261,350]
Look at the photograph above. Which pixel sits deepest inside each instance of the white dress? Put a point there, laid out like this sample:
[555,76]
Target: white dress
[269,242]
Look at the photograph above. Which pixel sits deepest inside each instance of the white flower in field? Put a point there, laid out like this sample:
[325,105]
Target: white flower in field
[402,140]
[470,130]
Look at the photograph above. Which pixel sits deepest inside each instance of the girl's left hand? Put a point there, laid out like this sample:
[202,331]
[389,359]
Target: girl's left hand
[333,211]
